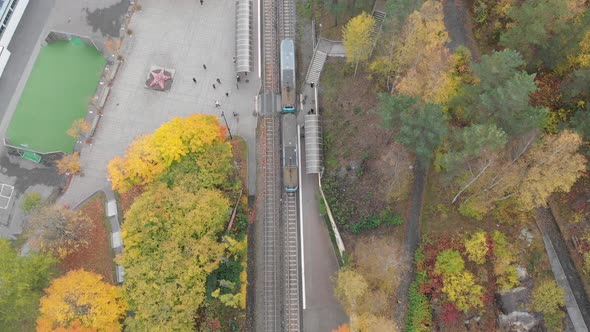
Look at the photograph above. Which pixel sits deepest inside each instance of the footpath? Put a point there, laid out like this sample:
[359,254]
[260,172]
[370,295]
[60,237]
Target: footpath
[566,275]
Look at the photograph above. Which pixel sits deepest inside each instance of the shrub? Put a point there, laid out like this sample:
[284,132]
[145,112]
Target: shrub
[449,262]
[504,269]
[511,212]
[554,321]
[449,313]
[463,291]
[367,223]
[477,247]
[31,202]
[586,257]
[548,297]
[419,317]
[502,249]
[472,211]
[388,217]
[508,279]
[229,271]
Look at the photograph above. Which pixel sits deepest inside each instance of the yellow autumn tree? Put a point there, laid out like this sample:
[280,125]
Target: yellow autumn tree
[463,291]
[75,327]
[424,60]
[58,230]
[83,299]
[357,40]
[476,247]
[79,127]
[178,232]
[554,165]
[69,164]
[149,156]
[351,287]
[582,59]
[367,322]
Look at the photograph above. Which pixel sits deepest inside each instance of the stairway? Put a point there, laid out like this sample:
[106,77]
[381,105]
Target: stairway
[317,64]
[379,17]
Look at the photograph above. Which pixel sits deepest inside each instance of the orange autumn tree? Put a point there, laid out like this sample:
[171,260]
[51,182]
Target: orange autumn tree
[149,156]
[81,301]
[69,164]
[79,127]
[342,328]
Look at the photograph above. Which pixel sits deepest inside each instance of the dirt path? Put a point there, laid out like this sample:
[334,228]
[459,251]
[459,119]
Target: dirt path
[459,25]
[414,213]
[549,228]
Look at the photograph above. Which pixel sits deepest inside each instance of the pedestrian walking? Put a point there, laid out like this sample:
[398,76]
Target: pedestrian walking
[235,114]
[218,81]
[204,67]
[214,87]
[234,59]
[217,103]
[238,78]
[227,94]
[194,80]
[201,2]
[312,84]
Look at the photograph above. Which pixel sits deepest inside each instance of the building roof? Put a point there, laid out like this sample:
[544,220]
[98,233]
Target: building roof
[313,141]
[244,36]
[3,7]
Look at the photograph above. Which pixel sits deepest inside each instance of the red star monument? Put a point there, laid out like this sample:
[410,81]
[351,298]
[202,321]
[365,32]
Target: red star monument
[159,78]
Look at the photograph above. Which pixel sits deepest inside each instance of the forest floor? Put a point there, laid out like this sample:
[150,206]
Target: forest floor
[363,164]
[97,256]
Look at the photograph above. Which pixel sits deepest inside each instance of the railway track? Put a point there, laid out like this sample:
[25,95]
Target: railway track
[287,19]
[281,303]
[291,314]
[270,46]
[271,220]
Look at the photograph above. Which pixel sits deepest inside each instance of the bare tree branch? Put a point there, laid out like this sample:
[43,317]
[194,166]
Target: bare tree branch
[525,148]
[471,182]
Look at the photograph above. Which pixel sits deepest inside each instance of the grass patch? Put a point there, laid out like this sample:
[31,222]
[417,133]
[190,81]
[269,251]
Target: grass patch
[58,91]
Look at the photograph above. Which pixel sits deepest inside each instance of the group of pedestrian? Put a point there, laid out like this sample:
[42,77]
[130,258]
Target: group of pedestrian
[218,80]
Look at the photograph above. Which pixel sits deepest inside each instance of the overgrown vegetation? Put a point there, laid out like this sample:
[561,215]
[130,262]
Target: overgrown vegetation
[366,286]
[504,132]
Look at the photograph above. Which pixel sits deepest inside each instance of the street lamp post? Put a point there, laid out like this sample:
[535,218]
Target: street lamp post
[225,120]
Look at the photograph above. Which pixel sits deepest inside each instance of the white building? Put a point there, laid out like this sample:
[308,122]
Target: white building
[11,11]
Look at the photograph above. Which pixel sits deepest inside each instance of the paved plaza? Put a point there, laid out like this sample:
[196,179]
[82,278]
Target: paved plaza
[195,36]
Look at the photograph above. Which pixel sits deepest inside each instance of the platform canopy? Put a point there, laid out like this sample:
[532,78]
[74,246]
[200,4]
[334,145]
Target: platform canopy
[313,144]
[243,36]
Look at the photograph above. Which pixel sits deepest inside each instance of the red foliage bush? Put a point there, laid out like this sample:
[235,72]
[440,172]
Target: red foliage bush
[433,286]
[214,325]
[449,314]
